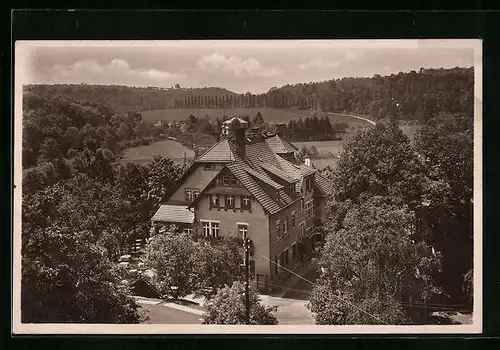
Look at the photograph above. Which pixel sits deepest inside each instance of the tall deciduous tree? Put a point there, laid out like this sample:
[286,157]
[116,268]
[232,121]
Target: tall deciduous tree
[373,265]
[380,161]
[215,265]
[228,307]
[67,278]
[163,174]
[447,153]
[171,257]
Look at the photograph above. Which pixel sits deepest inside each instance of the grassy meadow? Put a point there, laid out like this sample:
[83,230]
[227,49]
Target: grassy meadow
[328,150]
[166,148]
[269,114]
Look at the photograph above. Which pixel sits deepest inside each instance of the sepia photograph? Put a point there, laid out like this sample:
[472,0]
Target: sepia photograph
[248,186]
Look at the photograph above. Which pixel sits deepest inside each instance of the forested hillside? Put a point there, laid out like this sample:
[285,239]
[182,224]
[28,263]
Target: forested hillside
[406,96]
[122,98]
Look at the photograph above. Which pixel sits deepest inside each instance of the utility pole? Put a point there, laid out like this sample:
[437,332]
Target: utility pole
[246,244]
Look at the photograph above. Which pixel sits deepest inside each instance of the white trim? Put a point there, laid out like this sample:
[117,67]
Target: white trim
[242,223]
[207,220]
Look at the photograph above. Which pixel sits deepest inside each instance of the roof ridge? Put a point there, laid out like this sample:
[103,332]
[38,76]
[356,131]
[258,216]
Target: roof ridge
[261,177]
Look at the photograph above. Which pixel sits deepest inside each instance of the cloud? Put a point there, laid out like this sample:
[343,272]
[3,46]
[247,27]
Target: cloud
[319,63]
[116,71]
[350,55]
[217,63]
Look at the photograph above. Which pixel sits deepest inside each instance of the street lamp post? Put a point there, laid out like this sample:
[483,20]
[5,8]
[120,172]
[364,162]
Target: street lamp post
[246,244]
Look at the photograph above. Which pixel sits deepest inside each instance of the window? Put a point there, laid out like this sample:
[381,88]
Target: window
[225,180]
[233,180]
[278,229]
[282,260]
[189,195]
[301,229]
[301,204]
[309,209]
[215,200]
[276,266]
[210,228]
[243,230]
[188,230]
[209,166]
[293,220]
[308,183]
[196,193]
[285,225]
[215,229]
[245,202]
[294,251]
[285,257]
[206,229]
[229,201]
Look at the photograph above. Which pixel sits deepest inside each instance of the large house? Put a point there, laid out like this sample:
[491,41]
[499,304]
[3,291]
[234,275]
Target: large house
[252,185]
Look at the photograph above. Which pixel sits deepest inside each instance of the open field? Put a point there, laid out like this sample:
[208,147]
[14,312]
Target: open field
[323,147]
[167,148]
[269,114]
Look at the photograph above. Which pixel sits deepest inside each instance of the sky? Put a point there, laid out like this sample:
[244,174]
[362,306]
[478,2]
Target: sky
[239,66]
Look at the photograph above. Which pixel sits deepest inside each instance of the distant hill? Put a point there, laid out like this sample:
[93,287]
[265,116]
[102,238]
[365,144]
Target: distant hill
[123,98]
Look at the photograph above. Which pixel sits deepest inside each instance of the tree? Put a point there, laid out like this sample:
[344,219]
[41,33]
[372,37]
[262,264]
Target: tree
[171,256]
[374,264]
[66,278]
[380,161]
[228,307]
[131,181]
[447,152]
[163,175]
[216,264]
[49,150]
[257,120]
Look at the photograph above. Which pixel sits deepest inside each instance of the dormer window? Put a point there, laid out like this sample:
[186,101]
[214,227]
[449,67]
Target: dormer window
[225,180]
[229,201]
[233,180]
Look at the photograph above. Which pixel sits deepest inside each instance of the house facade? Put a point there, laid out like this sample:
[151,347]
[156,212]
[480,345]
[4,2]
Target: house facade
[251,185]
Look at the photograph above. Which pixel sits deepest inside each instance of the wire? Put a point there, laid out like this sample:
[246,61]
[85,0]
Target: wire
[419,305]
[314,284]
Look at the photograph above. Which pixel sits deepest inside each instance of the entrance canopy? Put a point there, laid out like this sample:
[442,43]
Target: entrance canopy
[174,214]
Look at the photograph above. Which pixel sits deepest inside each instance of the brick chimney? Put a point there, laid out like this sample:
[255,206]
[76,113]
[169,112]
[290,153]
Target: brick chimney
[239,135]
[236,128]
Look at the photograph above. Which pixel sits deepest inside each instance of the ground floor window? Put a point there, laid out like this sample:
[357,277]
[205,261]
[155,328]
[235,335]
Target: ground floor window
[210,228]
[243,230]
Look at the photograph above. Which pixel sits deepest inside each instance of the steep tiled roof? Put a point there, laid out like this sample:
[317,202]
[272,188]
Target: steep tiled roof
[278,145]
[270,202]
[278,172]
[260,169]
[264,179]
[174,214]
[222,152]
[259,153]
[322,183]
